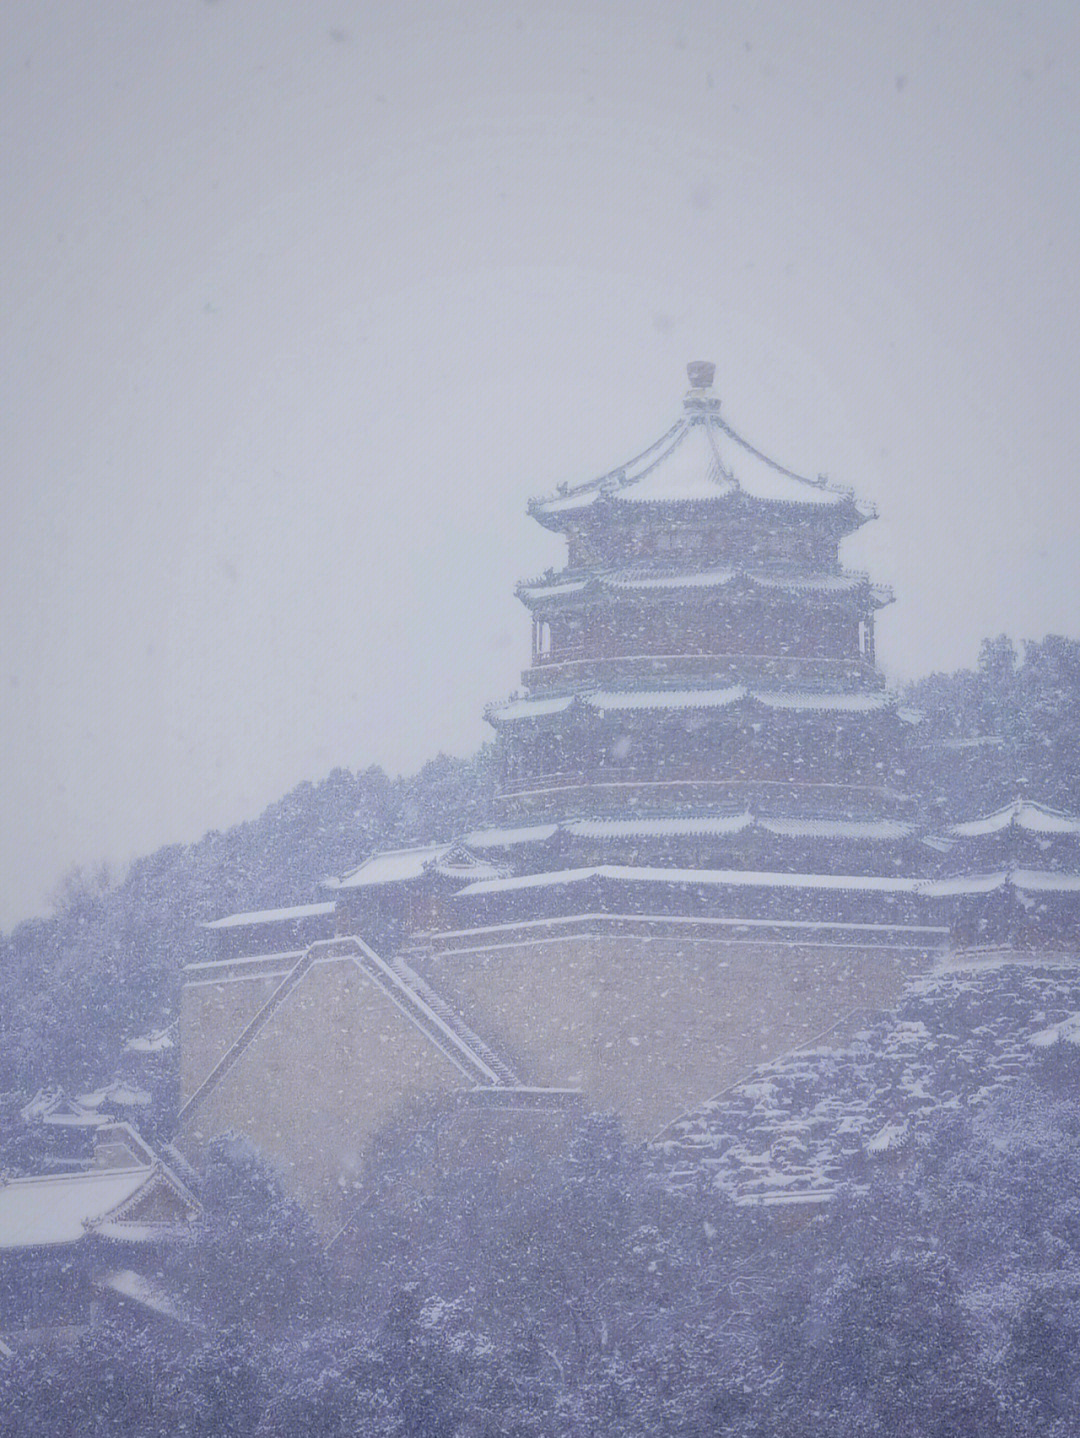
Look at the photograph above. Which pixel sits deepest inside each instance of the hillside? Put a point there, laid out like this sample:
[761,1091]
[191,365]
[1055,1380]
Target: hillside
[107,964]
[961,1037]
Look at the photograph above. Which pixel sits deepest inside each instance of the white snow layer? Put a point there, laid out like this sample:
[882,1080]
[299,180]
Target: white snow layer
[609,701]
[733,878]
[58,1208]
[271,916]
[395,866]
[1025,814]
[1066,1032]
[698,460]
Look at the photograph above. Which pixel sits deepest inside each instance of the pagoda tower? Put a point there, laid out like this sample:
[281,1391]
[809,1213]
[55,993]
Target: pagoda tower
[708,853]
[705,856]
[703,689]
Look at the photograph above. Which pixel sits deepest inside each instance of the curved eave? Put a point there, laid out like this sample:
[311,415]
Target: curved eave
[688,587]
[844,516]
[673,702]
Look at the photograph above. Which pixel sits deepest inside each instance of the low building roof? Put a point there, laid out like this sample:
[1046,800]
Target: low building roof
[452,860]
[1034,881]
[255,917]
[53,1106]
[55,1209]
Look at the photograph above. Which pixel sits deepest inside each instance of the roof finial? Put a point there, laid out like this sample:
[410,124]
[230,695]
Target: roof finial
[700,399]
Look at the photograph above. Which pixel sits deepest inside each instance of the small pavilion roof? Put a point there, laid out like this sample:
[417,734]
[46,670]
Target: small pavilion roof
[257,917]
[452,860]
[117,1093]
[55,1107]
[700,459]
[154,1042]
[1024,814]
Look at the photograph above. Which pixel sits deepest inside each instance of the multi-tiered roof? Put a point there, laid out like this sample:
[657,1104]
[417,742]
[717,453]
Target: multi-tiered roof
[703,687]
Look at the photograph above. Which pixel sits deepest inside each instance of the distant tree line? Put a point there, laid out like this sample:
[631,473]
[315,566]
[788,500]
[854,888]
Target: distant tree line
[590,1299]
[1012,720]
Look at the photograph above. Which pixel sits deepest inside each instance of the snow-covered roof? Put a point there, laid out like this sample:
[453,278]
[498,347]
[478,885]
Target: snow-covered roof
[552,589]
[1066,1032]
[155,1042]
[725,878]
[830,703]
[637,579]
[723,824]
[651,579]
[700,459]
[118,1092]
[527,709]
[1042,881]
[1045,881]
[609,701]
[868,829]
[401,866]
[699,825]
[271,916]
[63,1208]
[1025,814]
[457,861]
[137,1288]
[890,1136]
[705,825]
[392,866]
[53,1106]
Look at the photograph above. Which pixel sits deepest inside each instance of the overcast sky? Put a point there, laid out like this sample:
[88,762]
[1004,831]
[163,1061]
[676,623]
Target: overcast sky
[303,300]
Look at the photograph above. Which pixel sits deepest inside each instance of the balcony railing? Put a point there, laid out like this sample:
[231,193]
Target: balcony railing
[562,672]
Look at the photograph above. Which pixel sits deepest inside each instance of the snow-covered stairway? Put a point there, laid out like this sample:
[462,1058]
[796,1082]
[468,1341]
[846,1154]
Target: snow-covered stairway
[444,1029]
[438,1005]
[405,989]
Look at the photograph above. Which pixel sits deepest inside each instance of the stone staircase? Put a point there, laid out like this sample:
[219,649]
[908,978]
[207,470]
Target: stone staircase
[505,1075]
[415,999]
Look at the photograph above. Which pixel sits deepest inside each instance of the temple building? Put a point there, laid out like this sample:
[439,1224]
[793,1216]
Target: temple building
[1015,878]
[704,854]
[89,1242]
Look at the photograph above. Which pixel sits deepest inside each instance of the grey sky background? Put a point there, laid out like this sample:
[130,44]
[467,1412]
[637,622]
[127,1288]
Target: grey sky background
[302,301]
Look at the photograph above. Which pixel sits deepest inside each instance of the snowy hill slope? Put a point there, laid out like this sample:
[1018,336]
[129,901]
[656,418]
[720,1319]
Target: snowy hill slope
[819,1116]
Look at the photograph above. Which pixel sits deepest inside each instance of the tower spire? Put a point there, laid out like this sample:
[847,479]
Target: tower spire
[700,396]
